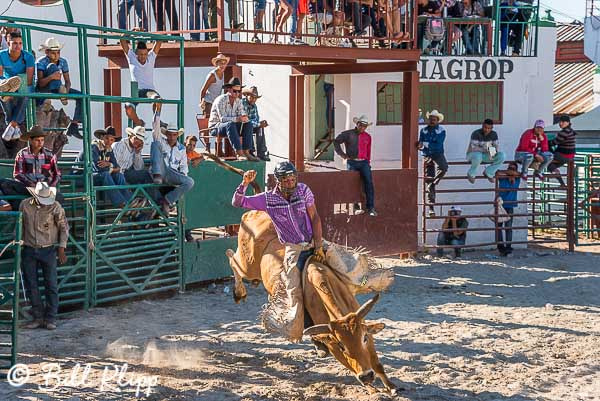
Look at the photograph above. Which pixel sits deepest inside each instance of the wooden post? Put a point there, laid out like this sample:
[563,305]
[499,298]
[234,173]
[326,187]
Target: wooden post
[571,206]
[410,116]
[112,87]
[296,125]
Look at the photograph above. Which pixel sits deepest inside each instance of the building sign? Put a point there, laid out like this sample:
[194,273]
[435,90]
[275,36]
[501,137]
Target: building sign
[465,69]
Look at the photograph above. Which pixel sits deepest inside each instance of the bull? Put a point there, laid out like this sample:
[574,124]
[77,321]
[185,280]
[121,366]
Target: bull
[339,320]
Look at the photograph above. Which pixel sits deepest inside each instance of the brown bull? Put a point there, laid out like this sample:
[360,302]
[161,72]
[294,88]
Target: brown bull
[338,317]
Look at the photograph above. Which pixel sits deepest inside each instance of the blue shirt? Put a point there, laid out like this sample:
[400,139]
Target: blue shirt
[42,65]
[13,68]
[509,198]
[432,139]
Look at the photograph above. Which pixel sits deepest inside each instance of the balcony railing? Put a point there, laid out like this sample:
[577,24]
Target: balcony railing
[341,23]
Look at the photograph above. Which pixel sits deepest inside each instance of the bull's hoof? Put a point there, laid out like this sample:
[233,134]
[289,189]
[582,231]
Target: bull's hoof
[255,283]
[238,298]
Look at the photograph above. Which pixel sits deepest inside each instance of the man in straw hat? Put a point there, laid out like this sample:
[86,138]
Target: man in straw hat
[16,72]
[258,126]
[45,235]
[456,233]
[141,67]
[229,118]
[357,145]
[33,164]
[431,143]
[51,70]
[169,162]
[213,84]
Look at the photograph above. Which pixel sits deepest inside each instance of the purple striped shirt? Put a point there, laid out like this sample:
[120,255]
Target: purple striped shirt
[290,218]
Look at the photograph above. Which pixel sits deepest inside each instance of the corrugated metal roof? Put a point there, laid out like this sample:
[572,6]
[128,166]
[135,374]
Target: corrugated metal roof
[569,32]
[573,88]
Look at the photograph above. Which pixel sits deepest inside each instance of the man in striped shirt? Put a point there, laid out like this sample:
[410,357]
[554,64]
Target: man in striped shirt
[564,144]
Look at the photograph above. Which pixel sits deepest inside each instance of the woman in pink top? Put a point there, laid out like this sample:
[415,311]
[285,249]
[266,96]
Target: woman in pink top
[533,146]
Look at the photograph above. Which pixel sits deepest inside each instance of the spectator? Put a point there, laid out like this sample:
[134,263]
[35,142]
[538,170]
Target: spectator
[140,11]
[294,37]
[360,19]
[357,146]
[431,143]
[284,11]
[213,84]
[128,153]
[511,26]
[4,31]
[141,67]
[258,125]
[508,183]
[161,7]
[44,227]
[194,158]
[471,34]
[33,164]
[533,147]
[428,8]
[106,168]
[197,8]
[456,234]
[169,163]
[564,142]
[228,118]
[322,11]
[51,69]
[259,16]
[484,147]
[16,63]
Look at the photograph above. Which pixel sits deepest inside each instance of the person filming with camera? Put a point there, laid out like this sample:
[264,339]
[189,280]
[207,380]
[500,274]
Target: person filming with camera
[454,231]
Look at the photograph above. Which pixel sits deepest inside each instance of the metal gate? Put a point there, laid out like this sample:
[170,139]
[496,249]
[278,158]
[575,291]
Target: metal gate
[587,199]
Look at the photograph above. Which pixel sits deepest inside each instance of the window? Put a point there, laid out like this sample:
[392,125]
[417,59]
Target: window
[460,102]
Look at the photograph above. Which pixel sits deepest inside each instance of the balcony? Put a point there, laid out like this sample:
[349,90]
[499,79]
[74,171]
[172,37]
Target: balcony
[326,32]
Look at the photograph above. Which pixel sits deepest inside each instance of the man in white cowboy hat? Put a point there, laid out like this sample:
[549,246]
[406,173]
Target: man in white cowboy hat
[454,231]
[431,143]
[141,67]
[45,235]
[169,162]
[258,126]
[52,69]
[229,118]
[213,84]
[16,74]
[357,145]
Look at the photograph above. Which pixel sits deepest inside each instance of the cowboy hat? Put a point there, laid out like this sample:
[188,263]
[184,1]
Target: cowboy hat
[34,132]
[219,57]
[362,119]
[179,131]
[51,44]
[138,132]
[235,81]
[437,114]
[43,193]
[251,91]
[110,130]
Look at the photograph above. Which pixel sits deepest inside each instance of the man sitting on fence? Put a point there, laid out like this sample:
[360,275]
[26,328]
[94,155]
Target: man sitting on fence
[431,143]
[533,147]
[141,67]
[45,234]
[456,233]
[16,71]
[51,70]
[229,118]
[169,163]
[258,125]
[484,147]
[33,164]
[565,143]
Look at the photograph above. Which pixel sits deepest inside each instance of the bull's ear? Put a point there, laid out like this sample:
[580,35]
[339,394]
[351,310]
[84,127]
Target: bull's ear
[317,329]
[374,328]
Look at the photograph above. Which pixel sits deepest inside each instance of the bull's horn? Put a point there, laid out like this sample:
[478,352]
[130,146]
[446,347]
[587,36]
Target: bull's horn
[367,306]
[317,329]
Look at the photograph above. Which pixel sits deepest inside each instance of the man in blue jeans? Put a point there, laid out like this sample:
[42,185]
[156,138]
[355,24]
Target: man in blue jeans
[169,162]
[454,231]
[45,235]
[229,118]
[357,143]
[509,181]
[431,143]
[140,11]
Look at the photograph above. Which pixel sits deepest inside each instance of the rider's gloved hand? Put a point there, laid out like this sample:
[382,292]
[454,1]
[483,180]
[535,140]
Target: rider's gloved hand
[319,254]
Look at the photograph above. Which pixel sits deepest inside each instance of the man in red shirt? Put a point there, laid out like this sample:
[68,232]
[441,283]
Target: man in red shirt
[533,146]
[357,145]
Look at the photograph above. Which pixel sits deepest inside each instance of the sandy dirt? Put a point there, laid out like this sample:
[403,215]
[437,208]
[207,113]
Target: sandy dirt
[478,328]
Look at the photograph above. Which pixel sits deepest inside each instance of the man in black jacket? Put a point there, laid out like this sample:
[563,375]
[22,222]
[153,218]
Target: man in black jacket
[564,145]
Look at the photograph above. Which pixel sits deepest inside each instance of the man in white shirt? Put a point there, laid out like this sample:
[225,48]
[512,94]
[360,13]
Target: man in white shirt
[141,67]
[169,162]
[228,117]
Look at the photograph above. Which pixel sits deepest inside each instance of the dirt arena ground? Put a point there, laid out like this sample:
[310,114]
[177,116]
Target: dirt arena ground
[478,328]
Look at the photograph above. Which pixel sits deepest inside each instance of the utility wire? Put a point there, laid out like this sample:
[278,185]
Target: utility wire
[7,8]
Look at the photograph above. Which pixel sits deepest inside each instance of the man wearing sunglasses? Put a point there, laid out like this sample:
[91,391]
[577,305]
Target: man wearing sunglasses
[229,118]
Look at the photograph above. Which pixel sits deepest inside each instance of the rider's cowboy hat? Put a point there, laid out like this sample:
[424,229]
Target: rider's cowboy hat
[138,132]
[437,114]
[43,193]
[362,119]
[219,57]
[51,44]
[251,91]
[34,132]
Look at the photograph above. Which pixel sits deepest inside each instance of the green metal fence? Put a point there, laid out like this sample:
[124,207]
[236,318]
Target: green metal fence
[587,198]
[524,19]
